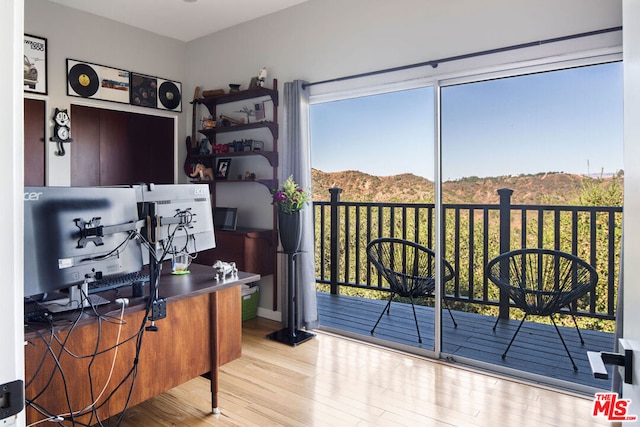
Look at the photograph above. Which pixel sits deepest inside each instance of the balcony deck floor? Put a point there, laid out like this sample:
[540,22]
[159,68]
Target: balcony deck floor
[536,350]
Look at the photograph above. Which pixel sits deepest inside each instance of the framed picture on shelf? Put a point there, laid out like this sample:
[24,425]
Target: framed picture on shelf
[35,64]
[222,168]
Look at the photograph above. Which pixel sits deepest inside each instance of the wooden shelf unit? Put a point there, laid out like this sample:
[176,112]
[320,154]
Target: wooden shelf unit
[242,245]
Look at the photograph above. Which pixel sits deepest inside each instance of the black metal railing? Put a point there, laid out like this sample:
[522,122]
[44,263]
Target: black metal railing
[473,235]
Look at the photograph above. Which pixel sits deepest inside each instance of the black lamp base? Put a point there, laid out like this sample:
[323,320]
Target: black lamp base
[286,336]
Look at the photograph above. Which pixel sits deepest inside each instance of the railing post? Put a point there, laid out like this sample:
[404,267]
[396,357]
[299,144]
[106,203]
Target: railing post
[505,242]
[333,241]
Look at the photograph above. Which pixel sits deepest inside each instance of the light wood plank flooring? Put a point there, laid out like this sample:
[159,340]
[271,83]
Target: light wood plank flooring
[334,381]
[536,350]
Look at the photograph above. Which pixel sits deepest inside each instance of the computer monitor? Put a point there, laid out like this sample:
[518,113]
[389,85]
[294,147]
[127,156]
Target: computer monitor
[179,219]
[74,235]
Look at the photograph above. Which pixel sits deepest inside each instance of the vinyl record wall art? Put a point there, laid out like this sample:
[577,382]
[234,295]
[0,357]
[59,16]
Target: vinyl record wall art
[83,80]
[144,91]
[95,81]
[169,95]
[88,80]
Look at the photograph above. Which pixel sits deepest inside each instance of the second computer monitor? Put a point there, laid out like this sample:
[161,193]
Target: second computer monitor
[182,216]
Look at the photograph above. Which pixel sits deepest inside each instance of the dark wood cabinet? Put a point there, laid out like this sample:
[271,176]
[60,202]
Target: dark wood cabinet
[85,155]
[116,160]
[34,146]
[151,148]
[115,147]
[251,249]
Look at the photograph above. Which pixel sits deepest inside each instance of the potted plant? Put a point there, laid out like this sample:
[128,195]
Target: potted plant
[290,199]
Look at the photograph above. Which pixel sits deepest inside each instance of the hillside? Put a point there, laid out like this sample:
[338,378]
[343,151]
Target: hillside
[549,188]
[359,186]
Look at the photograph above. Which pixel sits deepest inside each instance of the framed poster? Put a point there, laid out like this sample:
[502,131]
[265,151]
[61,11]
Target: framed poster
[35,64]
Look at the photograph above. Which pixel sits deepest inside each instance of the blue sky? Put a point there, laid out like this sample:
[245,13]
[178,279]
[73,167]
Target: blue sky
[563,121]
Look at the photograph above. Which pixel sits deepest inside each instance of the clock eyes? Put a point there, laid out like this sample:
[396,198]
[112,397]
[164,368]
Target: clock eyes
[62,118]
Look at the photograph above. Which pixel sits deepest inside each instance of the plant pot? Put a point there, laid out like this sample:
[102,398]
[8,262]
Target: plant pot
[290,228]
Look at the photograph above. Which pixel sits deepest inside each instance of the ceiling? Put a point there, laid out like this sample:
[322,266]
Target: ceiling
[184,20]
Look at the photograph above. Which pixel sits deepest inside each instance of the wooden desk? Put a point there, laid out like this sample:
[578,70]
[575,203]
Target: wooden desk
[202,331]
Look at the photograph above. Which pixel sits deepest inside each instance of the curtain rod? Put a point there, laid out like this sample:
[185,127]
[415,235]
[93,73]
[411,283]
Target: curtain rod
[435,62]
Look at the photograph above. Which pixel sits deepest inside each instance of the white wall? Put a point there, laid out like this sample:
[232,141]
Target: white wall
[322,39]
[85,37]
[631,267]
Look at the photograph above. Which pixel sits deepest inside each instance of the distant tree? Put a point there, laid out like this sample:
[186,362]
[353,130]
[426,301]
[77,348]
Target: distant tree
[601,192]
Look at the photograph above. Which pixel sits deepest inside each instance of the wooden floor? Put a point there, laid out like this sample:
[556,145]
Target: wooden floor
[536,350]
[335,381]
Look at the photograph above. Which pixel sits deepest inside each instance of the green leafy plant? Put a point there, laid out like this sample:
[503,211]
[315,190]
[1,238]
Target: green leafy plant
[290,197]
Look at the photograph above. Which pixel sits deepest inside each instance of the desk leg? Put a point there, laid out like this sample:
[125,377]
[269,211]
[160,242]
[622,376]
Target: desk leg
[215,409]
[225,311]
[213,312]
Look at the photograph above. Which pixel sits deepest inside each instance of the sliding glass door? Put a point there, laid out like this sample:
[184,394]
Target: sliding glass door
[471,168]
[531,161]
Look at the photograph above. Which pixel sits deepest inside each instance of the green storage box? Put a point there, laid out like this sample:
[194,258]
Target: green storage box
[250,296]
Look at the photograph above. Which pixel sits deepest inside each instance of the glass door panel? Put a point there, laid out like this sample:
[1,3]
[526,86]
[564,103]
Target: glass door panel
[531,161]
[379,150]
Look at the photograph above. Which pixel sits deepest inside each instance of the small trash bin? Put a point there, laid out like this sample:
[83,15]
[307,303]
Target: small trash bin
[250,295]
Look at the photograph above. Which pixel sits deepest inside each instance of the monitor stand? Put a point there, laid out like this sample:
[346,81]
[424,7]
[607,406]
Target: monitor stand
[78,297]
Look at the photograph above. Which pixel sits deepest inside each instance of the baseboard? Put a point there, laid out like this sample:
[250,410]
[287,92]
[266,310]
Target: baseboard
[270,314]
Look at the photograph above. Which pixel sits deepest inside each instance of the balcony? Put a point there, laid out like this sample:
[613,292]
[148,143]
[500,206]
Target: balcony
[351,295]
